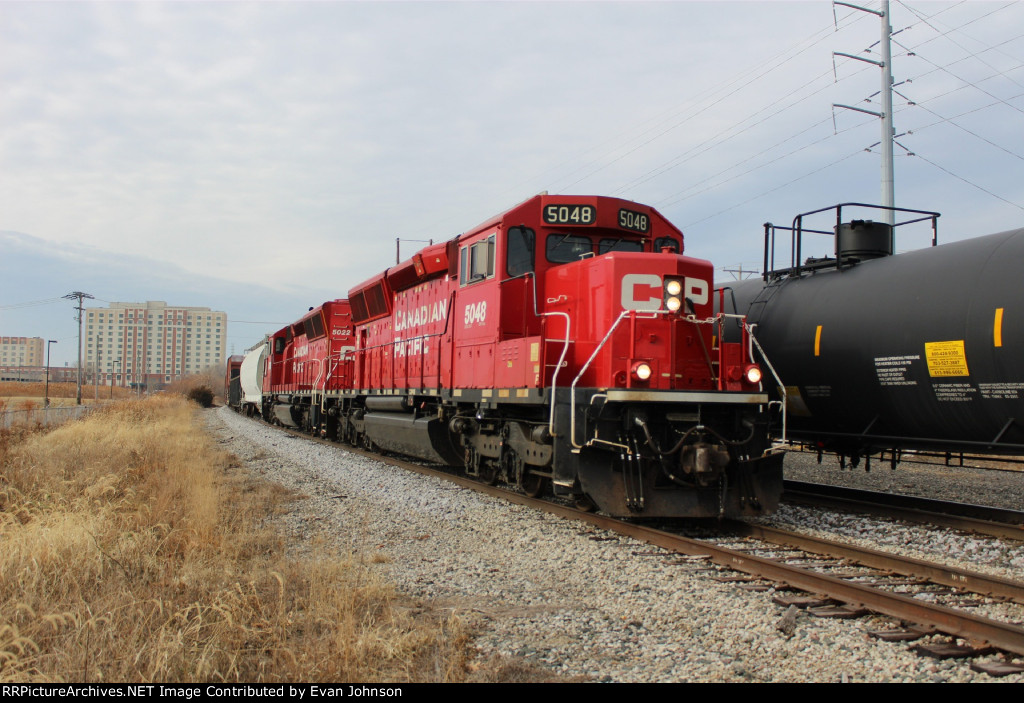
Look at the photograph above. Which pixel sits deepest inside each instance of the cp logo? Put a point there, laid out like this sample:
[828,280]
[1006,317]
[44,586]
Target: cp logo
[643,291]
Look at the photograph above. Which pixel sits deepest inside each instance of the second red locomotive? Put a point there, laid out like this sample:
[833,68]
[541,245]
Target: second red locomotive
[566,344]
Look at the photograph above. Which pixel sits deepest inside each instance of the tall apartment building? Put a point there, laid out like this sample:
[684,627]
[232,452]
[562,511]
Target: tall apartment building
[152,343]
[22,351]
[22,358]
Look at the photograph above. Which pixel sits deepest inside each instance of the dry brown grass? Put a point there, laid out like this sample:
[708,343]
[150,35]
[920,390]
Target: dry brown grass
[133,550]
[61,391]
[212,378]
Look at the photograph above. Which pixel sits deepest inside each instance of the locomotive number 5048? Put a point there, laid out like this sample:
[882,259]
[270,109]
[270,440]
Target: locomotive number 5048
[570,214]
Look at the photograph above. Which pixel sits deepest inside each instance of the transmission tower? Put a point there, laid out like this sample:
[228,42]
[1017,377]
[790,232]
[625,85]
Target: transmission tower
[888,131]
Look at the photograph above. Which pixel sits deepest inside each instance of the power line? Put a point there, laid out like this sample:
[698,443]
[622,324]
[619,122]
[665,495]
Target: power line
[921,16]
[704,147]
[772,190]
[970,83]
[936,68]
[742,80]
[974,185]
[750,170]
[973,134]
[30,304]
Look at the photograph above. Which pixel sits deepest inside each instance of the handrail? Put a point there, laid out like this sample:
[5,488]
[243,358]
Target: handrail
[797,231]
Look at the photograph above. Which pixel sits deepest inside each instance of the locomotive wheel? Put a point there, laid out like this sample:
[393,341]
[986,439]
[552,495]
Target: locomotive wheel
[534,485]
[584,504]
[368,444]
[488,473]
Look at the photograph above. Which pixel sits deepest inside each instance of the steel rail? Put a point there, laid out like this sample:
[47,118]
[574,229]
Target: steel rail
[972,581]
[995,522]
[975,628]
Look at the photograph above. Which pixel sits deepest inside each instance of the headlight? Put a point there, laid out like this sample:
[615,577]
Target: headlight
[753,374]
[641,371]
[672,294]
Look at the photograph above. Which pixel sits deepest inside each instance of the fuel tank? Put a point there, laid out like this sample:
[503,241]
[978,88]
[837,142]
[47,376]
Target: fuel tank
[923,349]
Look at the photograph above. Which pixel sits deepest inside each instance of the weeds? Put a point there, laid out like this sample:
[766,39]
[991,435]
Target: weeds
[134,550]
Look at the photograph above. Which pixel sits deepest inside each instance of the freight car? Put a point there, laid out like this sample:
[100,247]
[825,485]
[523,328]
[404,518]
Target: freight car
[307,362]
[920,350]
[232,382]
[565,345]
[249,398]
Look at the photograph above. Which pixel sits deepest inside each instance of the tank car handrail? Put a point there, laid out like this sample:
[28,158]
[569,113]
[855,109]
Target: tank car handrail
[775,375]
[797,231]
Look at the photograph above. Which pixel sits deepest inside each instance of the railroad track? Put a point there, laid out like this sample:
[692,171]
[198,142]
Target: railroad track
[838,579]
[960,460]
[994,522]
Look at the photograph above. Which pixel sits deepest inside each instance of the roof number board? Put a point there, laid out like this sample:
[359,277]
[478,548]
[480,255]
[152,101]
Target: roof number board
[570,214]
[636,221]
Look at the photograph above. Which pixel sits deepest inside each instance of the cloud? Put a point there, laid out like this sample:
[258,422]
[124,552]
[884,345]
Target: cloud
[287,145]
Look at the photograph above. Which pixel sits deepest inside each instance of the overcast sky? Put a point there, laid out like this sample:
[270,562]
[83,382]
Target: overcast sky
[260,157]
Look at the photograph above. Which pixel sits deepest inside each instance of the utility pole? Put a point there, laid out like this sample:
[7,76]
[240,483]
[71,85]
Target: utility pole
[96,372]
[738,274]
[46,388]
[80,296]
[888,131]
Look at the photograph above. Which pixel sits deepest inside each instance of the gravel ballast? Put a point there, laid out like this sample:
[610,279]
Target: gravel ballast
[578,601]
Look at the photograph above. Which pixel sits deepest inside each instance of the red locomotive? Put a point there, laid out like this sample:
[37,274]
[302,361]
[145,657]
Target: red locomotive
[306,362]
[566,343]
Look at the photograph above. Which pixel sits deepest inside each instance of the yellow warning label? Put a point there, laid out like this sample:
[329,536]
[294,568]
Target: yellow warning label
[946,358]
[535,351]
[795,404]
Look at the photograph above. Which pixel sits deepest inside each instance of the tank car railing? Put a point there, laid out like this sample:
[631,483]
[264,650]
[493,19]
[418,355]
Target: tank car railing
[778,381]
[797,231]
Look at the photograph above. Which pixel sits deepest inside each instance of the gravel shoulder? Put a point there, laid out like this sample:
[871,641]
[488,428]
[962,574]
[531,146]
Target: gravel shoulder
[579,602]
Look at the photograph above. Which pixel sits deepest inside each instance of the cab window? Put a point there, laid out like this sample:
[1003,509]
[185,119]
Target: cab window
[619,244]
[519,251]
[563,248]
[477,261]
